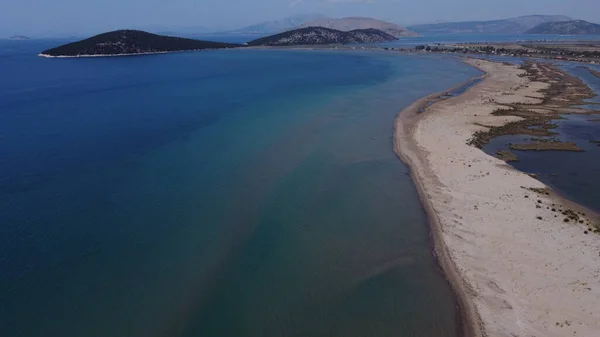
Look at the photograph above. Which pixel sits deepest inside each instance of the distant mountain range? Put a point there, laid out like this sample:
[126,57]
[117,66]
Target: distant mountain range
[277,26]
[191,30]
[516,25]
[573,27]
[263,28]
[131,42]
[322,36]
[18,38]
[354,23]
[167,30]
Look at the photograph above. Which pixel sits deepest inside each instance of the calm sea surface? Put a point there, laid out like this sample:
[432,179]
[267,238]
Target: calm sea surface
[216,194]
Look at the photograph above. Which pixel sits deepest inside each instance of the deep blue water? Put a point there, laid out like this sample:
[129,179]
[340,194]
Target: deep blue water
[221,193]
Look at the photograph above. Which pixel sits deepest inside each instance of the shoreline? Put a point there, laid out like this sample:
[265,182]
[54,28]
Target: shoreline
[99,55]
[129,54]
[351,47]
[488,293]
[470,322]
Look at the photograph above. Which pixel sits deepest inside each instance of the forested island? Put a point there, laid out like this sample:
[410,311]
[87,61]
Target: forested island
[131,42]
[322,36]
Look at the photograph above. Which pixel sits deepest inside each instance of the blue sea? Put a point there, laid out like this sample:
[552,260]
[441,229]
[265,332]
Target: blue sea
[214,194]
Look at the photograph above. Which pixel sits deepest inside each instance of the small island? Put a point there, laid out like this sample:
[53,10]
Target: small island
[323,36]
[131,42]
[573,27]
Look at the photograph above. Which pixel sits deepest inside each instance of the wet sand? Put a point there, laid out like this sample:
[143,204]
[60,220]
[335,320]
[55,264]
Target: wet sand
[522,260]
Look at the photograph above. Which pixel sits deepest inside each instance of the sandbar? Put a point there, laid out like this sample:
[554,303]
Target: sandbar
[522,260]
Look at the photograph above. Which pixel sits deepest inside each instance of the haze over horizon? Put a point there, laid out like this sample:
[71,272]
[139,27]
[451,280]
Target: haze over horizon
[39,18]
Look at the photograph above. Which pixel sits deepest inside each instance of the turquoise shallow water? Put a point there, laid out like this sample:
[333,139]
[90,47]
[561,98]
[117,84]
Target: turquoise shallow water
[225,193]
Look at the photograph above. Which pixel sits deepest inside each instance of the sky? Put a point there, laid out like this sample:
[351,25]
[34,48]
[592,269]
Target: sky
[47,18]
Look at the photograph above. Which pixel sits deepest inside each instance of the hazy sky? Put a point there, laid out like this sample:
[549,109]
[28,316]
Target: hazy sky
[80,17]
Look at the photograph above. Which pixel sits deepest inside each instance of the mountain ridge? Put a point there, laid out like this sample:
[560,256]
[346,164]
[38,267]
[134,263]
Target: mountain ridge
[572,27]
[354,23]
[277,26]
[516,25]
[19,38]
[322,36]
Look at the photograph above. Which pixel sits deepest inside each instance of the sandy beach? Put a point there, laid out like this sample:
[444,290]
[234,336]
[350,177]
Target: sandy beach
[522,260]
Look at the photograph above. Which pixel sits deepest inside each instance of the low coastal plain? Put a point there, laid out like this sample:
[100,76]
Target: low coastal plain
[523,260]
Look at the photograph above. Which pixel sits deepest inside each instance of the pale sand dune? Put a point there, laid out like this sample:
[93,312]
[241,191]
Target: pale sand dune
[516,275]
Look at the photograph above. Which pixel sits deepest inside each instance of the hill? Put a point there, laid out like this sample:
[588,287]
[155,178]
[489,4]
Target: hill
[128,42]
[516,25]
[574,27]
[321,36]
[277,26]
[354,23]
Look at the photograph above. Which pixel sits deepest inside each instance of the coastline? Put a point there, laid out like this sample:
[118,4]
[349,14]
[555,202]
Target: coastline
[470,323]
[368,46]
[98,55]
[130,54]
[473,244]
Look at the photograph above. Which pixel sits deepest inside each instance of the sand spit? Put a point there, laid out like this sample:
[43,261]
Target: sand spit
[523,261]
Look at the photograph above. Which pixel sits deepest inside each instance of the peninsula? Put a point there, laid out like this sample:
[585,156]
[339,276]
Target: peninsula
[322,36]
[131,42]
[523,260]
